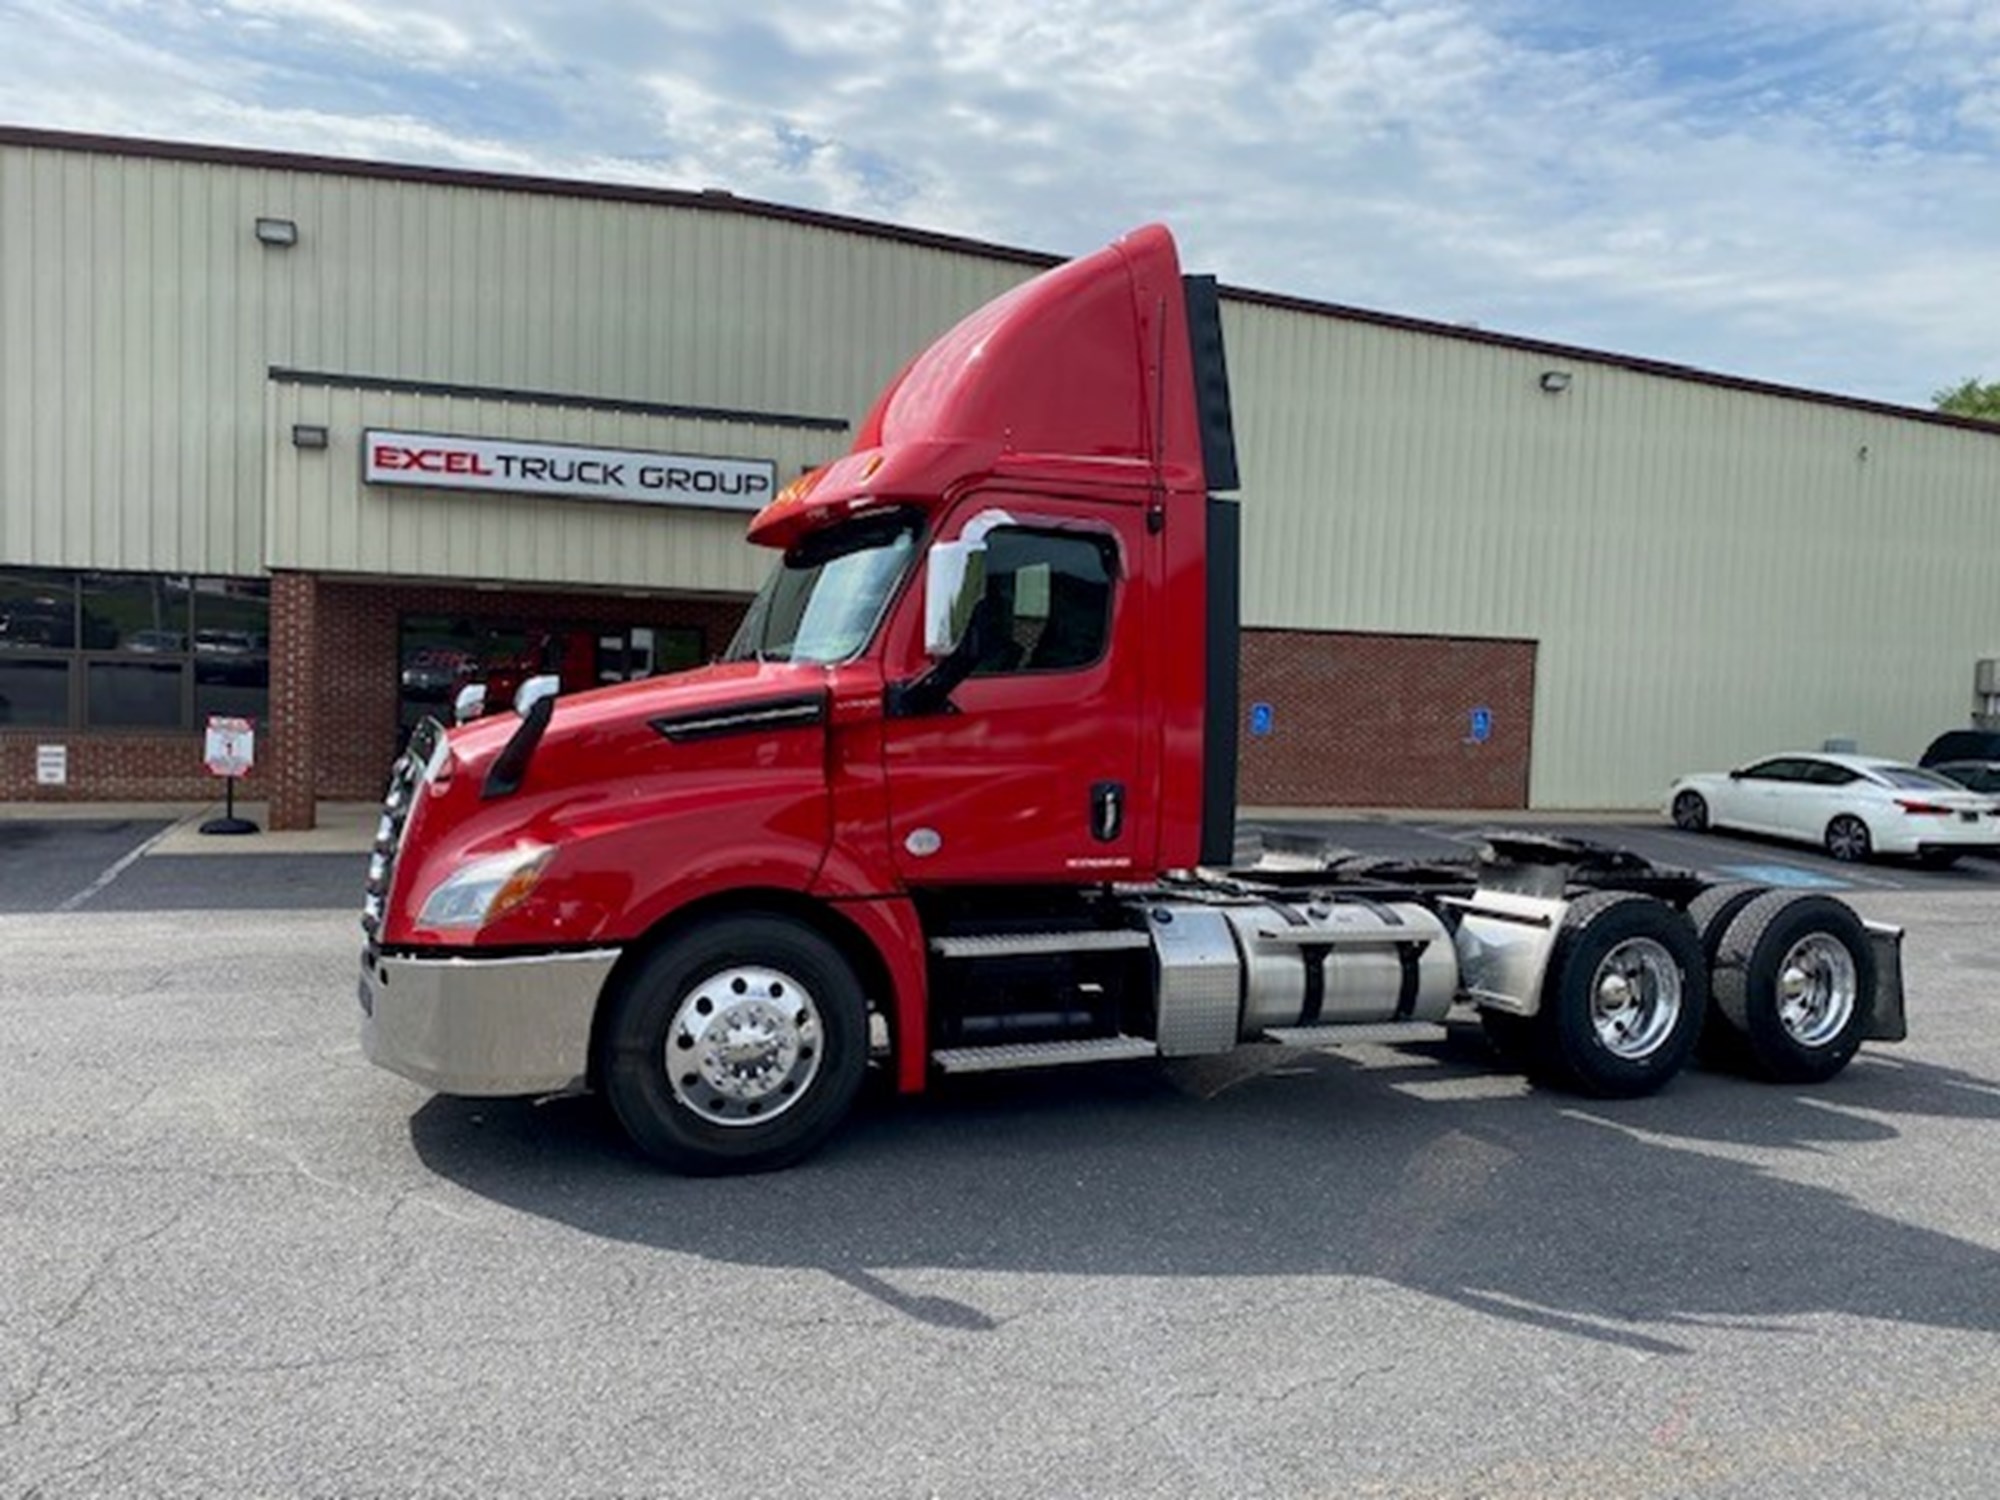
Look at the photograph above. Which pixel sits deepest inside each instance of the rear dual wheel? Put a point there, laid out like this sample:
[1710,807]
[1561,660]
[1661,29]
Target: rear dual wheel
[1622,1004]
[1721,1045]
[1794,983]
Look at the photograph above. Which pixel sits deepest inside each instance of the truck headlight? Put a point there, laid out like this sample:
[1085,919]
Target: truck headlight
[476,894]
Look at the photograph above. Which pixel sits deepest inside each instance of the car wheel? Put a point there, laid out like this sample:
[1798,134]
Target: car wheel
[1691,812]
[1847,839]
[1795,977]
[1623,1002]
[737,1047]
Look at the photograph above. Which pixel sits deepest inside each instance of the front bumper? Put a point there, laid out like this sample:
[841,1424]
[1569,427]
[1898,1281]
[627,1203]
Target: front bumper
[483,1026]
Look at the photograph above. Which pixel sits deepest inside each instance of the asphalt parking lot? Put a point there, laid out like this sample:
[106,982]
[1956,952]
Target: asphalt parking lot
[235,1259]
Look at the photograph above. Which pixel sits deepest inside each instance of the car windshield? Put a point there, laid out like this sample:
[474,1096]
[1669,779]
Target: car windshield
[821,604]
[1909,778]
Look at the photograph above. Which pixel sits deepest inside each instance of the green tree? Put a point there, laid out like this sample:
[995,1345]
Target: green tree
[1971,398]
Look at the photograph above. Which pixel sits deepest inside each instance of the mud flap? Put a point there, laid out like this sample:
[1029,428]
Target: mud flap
[1886,1021]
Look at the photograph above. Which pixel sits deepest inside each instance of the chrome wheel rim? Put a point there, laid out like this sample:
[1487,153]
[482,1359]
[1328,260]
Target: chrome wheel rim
[1635,998]
[1690,812]
[1847,839]
[744,1046]
[1818,988]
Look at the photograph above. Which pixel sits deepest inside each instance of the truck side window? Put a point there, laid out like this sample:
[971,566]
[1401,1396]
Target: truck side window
[1048,597]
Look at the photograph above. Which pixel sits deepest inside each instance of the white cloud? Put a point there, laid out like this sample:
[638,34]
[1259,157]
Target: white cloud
[1801,190]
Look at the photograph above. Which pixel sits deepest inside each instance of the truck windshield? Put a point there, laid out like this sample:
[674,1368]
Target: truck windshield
[822,602]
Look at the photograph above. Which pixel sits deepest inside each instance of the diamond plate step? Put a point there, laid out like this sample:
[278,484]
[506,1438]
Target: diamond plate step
[1014,944]
[1043,1054]
[1356,1035]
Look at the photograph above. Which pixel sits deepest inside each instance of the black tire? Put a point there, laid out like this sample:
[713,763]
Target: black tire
[1804,1037]
[1691,812]
[772,976]
[1624,1045]
[1720,1045]
[1847,839]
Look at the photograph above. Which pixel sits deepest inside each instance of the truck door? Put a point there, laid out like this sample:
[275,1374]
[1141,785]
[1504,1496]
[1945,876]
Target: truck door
[1034,772]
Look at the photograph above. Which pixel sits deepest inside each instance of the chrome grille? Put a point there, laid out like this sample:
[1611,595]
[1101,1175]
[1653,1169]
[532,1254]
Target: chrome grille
[404,780]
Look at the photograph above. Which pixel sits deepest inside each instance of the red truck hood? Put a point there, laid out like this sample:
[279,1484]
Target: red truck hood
[721,686]
[652,794]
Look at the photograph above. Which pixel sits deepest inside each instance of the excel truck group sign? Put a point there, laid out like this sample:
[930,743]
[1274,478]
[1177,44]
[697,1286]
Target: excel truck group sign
[429,460]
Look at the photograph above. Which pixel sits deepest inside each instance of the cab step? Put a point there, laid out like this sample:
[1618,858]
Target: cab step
[1356,1035]
[1043,1054]
[1023,944]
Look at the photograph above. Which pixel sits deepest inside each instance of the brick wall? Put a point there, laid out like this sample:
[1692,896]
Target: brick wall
[1384,720]
[357,664]
[120,766]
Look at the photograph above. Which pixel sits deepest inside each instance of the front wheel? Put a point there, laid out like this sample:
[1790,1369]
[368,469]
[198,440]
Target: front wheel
[736,1047]
[1622,1004]
[1847,838]
[1691,812]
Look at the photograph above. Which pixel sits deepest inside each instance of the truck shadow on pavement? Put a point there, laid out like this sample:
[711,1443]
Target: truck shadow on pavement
[1606,1221]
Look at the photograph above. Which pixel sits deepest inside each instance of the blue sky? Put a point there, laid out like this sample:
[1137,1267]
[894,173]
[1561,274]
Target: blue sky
[1802,191]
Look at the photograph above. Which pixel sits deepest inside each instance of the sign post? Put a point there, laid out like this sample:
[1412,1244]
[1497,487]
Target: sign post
[229,750]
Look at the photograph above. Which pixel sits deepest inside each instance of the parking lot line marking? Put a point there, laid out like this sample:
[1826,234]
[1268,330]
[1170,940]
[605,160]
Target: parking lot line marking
[114,870]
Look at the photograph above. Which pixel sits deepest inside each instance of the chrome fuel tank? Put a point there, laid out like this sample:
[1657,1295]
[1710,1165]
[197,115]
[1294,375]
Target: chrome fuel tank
[1341,960]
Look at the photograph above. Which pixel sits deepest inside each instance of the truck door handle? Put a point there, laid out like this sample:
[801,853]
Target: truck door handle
[1107,810]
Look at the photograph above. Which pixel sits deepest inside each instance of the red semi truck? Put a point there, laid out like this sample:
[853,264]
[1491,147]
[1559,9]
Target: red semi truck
[961,797]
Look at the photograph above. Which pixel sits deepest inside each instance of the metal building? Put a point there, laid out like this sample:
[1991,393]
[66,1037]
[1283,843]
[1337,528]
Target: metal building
[1479,571]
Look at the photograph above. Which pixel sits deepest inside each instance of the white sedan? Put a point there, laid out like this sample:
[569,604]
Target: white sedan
[1853,806]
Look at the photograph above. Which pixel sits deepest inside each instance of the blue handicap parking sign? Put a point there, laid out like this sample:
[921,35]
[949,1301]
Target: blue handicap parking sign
[1481,727]
[1261,717]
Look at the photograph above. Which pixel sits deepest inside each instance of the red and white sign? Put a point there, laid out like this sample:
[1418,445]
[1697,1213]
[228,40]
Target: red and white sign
[230,746]
[429,460]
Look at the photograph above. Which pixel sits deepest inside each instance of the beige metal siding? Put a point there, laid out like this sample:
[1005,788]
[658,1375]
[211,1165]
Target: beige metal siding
[322,518]
[1711,574]
[139,316]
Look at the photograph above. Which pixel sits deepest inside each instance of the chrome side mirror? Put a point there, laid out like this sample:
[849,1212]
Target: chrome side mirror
[533,691]
[470,703]
[954,582]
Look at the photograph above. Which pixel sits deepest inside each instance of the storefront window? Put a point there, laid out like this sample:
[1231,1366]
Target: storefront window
[136,694]
[131,650]
[37,610]
[34,692]
[144,612]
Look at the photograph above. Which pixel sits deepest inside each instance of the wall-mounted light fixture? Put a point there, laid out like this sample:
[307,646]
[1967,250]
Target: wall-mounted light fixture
[308,435]
[281,233]
[1554,382]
